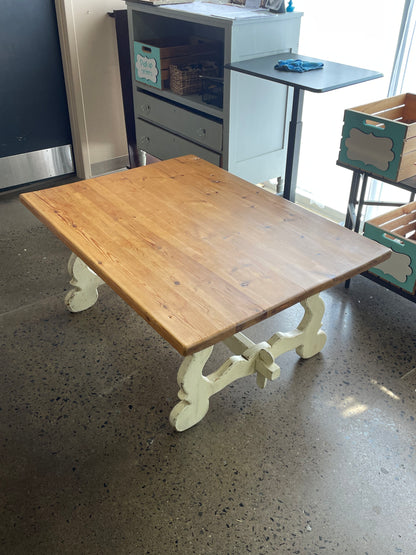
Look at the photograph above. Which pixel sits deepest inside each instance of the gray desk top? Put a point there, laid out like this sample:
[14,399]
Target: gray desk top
[332,76]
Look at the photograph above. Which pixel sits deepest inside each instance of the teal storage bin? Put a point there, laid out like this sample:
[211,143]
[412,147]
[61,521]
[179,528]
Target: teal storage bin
[380,138]
[147,64]
[396,230]
[152,58]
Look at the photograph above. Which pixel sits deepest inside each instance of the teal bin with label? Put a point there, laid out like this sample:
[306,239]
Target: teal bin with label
[380,138]
[396,230]
[147,66]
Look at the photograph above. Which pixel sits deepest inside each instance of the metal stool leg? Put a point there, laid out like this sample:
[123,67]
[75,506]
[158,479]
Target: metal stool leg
[352,200]
[361,203]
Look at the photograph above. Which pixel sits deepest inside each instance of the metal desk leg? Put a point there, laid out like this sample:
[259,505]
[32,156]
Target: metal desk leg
[352,200]
[361,203]
[293,147]
[353,218]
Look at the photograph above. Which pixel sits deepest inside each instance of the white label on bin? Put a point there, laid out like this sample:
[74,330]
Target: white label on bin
[398,266]
[369,149]
[146,68]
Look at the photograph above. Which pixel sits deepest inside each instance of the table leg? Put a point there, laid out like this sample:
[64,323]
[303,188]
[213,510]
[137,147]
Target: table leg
[293,147]
[355,205]
[361,203]
[195,389]
[351,216]
[85,283]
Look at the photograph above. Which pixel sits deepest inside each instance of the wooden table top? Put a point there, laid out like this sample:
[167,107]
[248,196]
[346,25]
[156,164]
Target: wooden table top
[199,253]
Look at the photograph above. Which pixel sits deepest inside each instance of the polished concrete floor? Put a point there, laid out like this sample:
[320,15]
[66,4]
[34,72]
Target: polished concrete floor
[321,461]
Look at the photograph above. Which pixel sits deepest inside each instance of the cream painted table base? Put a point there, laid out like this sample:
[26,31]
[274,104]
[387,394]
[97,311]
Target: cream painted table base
[196,389]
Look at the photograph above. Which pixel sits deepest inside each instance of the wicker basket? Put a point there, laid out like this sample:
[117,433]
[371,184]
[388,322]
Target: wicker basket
[212,90]
[185,78]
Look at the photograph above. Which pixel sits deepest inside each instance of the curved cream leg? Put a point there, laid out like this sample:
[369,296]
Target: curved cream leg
[85,283]
[313,338]
[308,338]
[195,391]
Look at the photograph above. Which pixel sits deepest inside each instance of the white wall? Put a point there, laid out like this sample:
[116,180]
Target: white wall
[90,59]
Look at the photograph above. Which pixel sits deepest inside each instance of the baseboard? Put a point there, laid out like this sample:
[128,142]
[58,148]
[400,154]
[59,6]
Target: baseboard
[108,166]
[28,167]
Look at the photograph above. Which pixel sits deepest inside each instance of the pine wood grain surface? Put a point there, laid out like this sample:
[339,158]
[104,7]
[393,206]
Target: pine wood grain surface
[197,252]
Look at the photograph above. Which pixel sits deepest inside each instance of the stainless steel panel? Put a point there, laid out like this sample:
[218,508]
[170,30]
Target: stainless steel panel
[34,166]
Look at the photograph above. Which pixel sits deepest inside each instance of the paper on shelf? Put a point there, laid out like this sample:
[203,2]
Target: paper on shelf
[225,11]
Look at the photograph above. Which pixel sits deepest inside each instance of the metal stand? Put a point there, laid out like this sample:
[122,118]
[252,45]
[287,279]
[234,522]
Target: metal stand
[293,147]
[357,198]
[356,202]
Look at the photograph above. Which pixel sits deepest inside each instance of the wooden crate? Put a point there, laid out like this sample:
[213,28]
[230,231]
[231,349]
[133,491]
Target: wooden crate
[380,137]
[153,58]
[397,230]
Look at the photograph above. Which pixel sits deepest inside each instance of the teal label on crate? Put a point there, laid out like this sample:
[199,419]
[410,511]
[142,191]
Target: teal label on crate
[146,66]
[372,144]
[400,268]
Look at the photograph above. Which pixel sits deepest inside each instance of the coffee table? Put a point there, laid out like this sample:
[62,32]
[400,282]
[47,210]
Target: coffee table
[202,255]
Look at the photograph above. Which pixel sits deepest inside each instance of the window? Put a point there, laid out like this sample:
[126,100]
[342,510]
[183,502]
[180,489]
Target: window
[352,32]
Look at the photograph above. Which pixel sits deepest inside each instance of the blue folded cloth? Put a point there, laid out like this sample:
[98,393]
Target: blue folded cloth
[297,65]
